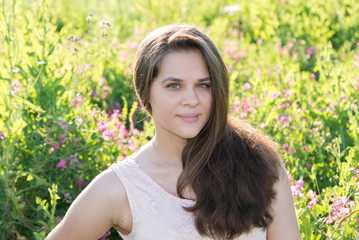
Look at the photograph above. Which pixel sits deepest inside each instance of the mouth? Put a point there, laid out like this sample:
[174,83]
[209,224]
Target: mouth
[189,117]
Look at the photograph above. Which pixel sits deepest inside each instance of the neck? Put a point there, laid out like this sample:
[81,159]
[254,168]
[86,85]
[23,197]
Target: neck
[169,151]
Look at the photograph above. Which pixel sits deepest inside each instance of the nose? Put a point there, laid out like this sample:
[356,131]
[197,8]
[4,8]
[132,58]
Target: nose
[190,98]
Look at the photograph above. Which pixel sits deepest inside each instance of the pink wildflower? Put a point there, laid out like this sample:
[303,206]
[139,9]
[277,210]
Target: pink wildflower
[58,219]
[299,183]
[311,194]
[61,124]
[291,82]
[107,135]
[80,69]
[95,94]
[336,215]
[312,203]
[133,45]
[357,172]
[123,133]
[106,88]
[79,182]
[246,86]
[283,106]
[310,51]
[2,137]
[317,123]
[286,148]
[79,99]
[87,67]
[274,95]
[258,72]
[131,143]
[312,76]
[102,81]
[61,139]
[16,85]
[305,148]
[229,68]
[61,164]
[101,126]
[329,221]
[331,106]
[79,121]
[297,188]
[287,93]
[93,113]
[106,235]
[262,125]
[310,102]
[115,114]
[243,115]
[290,177]
[294,53]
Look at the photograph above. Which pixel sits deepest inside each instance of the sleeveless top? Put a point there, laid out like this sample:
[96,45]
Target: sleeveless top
[157,214]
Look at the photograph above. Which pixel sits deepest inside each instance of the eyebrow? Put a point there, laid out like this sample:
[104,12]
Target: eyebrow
[173,79]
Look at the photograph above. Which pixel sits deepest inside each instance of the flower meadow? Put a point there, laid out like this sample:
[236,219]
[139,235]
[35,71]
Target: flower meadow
[68,109]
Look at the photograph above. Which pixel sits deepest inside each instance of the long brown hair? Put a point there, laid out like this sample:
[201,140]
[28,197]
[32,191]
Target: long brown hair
[230,166]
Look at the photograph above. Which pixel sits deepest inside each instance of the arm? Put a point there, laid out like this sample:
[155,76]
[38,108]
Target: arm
[94,211]
[284,225]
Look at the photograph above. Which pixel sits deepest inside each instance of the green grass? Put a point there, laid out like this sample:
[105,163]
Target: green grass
[66,97]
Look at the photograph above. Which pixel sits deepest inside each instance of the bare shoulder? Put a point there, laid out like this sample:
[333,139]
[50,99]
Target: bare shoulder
[285,224]
[108,181]
[101,205]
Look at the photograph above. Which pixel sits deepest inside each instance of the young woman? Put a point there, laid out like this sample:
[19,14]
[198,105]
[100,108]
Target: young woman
[203,175]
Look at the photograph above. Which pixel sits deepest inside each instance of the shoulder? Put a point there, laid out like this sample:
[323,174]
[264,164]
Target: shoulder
[98,208]
[285,224]
[108,183]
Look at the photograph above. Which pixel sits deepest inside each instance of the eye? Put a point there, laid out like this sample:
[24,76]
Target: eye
[173,85]
[204,85]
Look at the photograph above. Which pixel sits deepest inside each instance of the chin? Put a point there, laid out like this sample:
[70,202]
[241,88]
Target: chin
[188,135]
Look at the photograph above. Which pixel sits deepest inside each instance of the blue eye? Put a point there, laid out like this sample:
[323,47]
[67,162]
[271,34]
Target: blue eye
[173,85]
[204,85]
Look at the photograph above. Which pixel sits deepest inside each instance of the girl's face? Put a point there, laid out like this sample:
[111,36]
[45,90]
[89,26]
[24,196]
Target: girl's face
[181,95]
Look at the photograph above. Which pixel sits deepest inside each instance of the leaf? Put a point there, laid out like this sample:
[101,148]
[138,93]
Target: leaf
[27,103]
[52,47]
[17,126]
[7,39]
[4,91]
[305,227]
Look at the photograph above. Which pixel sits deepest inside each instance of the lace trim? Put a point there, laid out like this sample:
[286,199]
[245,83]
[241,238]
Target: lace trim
[157,214]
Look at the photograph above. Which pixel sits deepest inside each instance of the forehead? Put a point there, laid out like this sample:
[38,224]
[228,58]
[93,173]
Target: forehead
[184,63]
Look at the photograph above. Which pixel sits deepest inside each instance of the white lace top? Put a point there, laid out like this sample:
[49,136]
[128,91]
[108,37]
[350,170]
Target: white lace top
[157,214]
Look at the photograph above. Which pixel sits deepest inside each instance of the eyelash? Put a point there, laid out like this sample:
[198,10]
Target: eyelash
[205,85]
[173,84]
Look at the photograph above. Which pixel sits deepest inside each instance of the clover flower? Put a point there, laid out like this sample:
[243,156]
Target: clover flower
[61,164]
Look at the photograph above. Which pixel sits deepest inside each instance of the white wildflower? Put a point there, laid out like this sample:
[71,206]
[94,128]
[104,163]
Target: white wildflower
[231,9]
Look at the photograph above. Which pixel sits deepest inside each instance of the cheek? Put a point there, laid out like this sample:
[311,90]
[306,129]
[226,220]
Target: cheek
[208,101]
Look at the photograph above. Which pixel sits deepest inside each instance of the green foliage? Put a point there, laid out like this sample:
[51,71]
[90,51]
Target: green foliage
[68,109]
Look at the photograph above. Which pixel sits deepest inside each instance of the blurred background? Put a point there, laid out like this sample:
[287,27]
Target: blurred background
[68,108]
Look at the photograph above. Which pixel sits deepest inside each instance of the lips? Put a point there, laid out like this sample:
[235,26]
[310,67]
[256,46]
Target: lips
[189,117]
